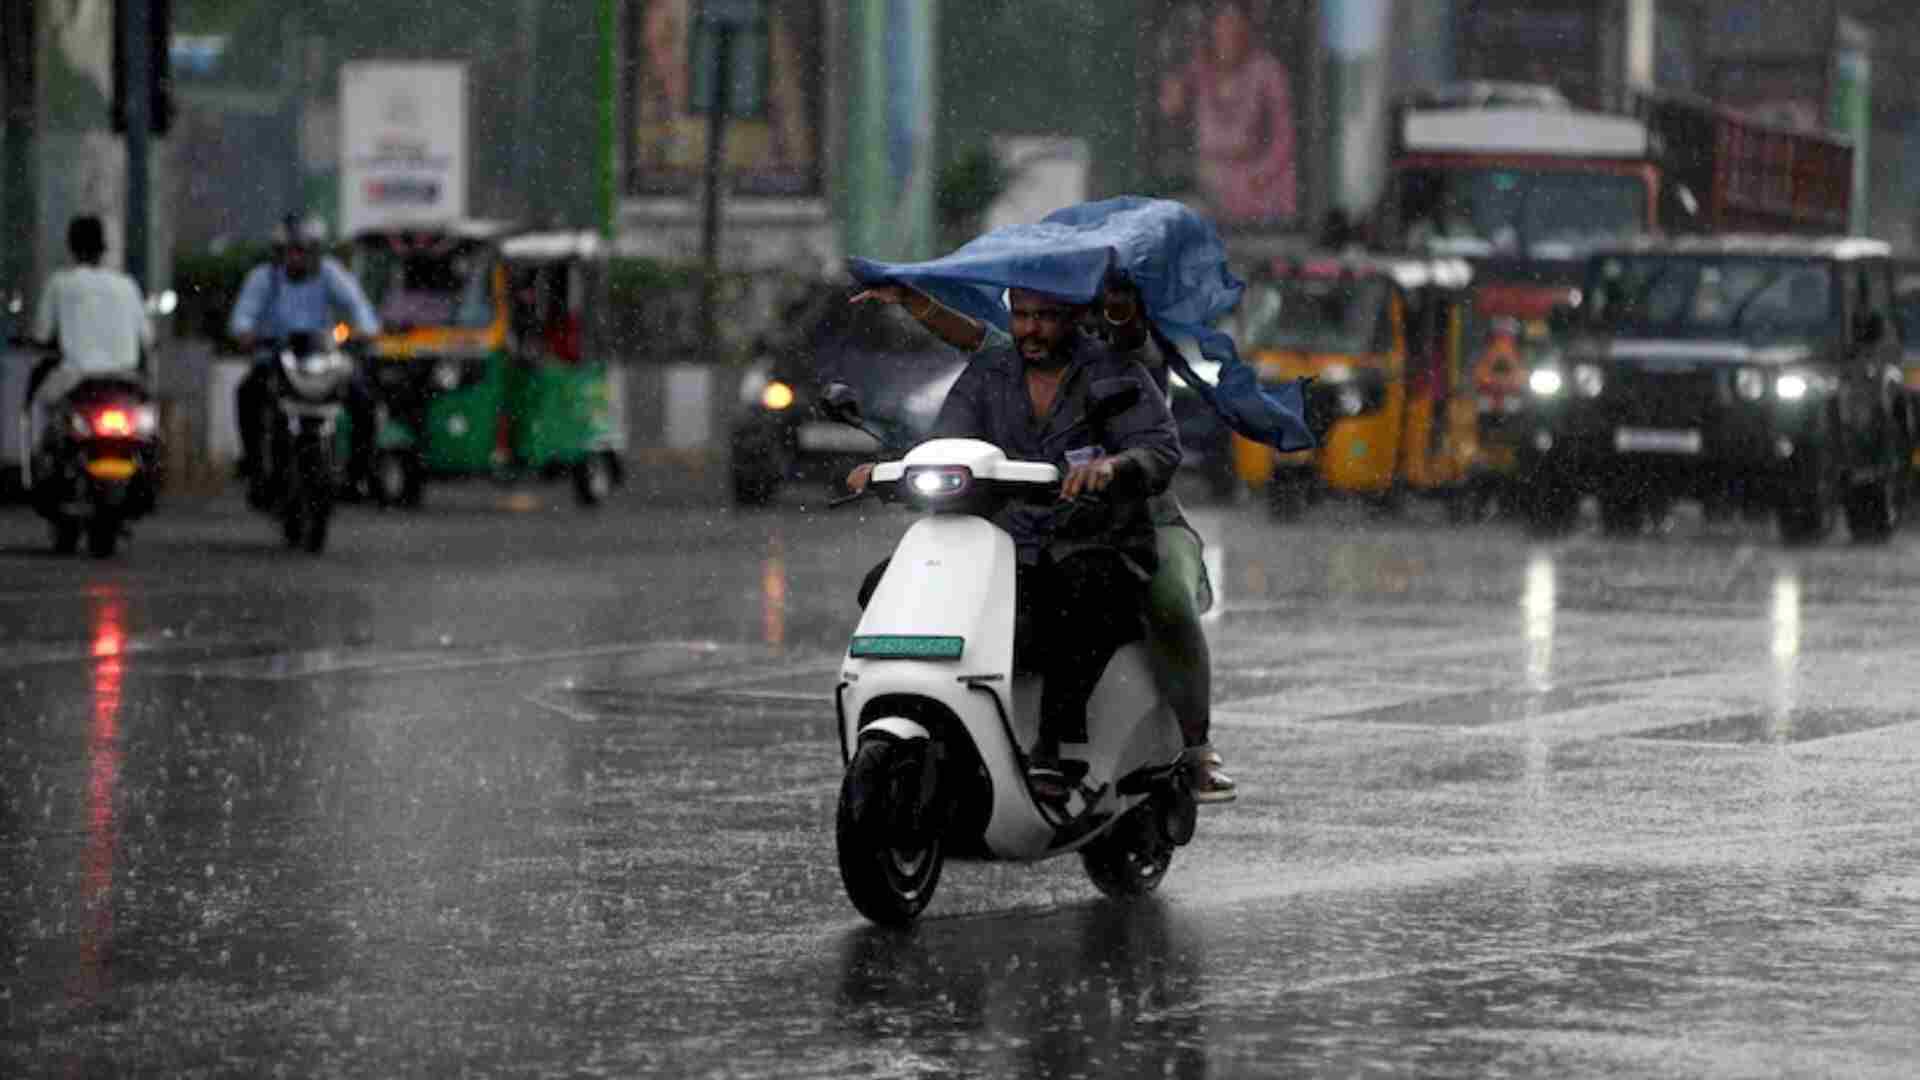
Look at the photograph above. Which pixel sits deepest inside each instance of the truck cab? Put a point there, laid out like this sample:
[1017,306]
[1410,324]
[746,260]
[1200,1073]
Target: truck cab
[1750,370]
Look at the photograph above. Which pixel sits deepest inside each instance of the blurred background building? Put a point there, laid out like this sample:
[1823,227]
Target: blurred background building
[891,128]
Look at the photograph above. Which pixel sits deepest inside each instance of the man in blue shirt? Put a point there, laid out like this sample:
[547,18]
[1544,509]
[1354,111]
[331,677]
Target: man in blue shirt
[299,291]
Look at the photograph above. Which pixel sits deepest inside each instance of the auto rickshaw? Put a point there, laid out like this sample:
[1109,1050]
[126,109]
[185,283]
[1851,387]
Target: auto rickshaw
[1385,341]
[493,358]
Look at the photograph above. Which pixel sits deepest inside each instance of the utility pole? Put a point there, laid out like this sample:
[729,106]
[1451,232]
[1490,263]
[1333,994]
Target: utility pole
[722,19]
[136,31]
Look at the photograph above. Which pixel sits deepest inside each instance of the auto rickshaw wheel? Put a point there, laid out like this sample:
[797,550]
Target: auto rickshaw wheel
[593,479]
[396,479]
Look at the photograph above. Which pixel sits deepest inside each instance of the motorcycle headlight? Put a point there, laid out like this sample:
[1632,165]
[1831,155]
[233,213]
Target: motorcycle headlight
[1588,380]
[1750,384]
[446,374]
[1546,382]
[777,396]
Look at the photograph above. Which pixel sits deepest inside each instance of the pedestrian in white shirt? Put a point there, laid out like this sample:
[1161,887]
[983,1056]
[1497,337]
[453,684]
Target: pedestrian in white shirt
[91,315]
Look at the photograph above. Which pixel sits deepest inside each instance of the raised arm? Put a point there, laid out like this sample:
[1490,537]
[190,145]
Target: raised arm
[950,326]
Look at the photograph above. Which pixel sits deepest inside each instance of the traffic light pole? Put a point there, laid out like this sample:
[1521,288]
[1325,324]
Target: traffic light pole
[717,110]
[136,30]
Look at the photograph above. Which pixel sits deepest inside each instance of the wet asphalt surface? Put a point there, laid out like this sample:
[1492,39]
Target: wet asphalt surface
[508,788]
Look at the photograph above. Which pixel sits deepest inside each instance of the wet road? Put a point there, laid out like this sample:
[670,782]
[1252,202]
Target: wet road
[503,787]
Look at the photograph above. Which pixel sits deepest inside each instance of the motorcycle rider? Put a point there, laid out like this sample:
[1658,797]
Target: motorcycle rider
[298,290]
[91,317]
[1179,592]
[1083,567]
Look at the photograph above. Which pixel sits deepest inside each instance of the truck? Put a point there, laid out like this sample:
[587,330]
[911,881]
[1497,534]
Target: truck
[1522,183]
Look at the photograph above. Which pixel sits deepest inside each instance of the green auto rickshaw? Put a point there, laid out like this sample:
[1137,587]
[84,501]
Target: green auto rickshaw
[492,360]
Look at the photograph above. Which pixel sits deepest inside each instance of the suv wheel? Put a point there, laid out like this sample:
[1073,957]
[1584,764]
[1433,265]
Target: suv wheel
[1873,510]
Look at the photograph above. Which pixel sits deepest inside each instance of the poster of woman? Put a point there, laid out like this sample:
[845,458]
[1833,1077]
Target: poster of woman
[1223,116]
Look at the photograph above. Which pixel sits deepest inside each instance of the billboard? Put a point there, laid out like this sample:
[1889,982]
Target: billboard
[1224,105]
[403,144]
[772,150]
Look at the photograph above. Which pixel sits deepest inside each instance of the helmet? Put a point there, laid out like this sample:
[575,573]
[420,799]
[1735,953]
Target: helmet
[294,230]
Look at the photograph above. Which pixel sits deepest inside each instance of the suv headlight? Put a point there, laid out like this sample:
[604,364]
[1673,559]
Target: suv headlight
[1799,385]
[1588,380]
[1546,382]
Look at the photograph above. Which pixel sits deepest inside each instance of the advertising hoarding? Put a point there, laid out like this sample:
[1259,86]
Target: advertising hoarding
[1222,114]
[403,152]
[772,150]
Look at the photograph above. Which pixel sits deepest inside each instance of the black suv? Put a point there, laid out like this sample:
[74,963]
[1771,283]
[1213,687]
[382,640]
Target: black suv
[1759,372]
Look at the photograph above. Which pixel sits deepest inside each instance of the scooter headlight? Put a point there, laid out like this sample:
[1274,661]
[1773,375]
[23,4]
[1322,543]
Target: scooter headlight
[1546,382]
[939,481]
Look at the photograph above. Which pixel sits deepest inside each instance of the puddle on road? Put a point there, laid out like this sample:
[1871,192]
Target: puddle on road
[1797,726]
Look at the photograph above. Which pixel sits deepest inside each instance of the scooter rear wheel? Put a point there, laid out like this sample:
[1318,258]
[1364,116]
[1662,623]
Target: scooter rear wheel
[1132,857]
[890,859]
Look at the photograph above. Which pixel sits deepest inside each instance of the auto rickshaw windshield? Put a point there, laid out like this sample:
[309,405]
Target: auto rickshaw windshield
[428,285]
[1314,314]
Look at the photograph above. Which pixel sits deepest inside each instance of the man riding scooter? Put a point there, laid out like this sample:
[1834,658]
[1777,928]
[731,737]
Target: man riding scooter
[299,291]
[1084,563]
[1178,592]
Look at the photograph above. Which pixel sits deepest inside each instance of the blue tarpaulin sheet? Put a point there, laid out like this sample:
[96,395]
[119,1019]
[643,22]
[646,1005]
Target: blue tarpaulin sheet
[1171,254]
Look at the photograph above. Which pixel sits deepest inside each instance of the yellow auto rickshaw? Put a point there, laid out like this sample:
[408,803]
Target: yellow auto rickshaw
[1384,340]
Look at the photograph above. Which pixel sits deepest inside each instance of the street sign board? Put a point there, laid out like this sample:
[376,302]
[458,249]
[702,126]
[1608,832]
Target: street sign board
[403,154]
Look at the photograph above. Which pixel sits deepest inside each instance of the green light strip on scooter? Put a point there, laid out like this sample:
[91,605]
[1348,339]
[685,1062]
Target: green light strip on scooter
[906,647]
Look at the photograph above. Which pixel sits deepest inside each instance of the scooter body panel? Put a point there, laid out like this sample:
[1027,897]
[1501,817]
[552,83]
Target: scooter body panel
[953,575]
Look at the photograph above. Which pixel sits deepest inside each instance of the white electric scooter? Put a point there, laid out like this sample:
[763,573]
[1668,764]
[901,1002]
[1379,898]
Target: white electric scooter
[935,722]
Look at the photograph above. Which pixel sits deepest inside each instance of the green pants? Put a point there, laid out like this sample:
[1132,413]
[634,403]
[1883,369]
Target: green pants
[1182,663]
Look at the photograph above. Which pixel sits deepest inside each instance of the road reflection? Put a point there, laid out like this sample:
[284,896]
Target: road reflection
[1785,614]
[773,591]
[103,790]
[1106,989]
[1538,608]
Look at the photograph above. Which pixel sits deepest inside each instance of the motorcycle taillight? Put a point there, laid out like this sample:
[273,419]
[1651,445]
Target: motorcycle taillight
[113,423]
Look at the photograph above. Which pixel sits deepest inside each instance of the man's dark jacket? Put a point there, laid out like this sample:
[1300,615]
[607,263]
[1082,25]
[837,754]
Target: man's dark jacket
[989,402]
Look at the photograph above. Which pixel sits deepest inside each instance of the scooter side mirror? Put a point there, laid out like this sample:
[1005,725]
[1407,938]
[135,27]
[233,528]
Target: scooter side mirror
[841,402]
[1111,397]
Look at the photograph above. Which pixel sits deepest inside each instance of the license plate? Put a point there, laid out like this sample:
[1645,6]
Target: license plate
[110,468]
[1656,441]
[834,437]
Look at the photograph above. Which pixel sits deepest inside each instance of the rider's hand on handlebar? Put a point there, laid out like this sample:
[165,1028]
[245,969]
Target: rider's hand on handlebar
[1095,475]
[857,479]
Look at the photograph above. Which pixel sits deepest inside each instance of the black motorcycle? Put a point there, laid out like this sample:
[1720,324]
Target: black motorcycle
[96,467]
[311,374]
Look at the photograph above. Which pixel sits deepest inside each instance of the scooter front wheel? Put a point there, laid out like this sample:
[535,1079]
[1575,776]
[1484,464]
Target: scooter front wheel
[890,853]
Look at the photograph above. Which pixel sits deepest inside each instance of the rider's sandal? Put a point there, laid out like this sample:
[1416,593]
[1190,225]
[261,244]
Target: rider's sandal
[1210,783]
